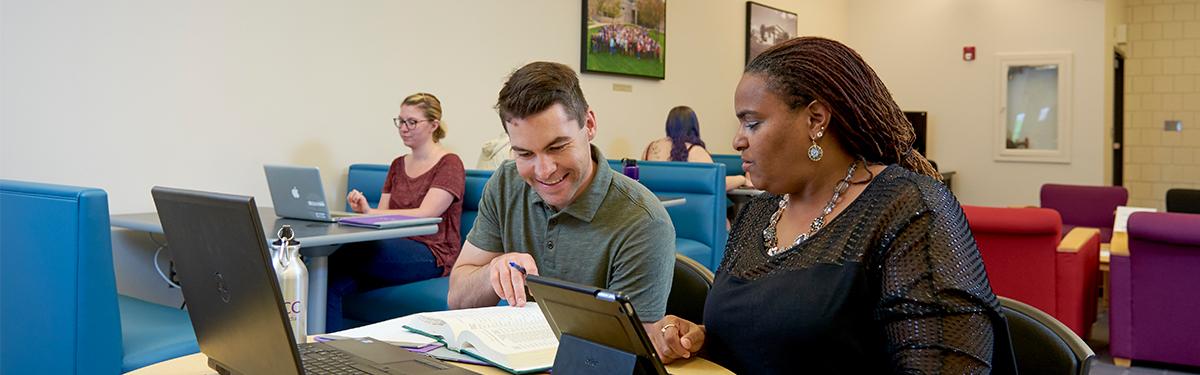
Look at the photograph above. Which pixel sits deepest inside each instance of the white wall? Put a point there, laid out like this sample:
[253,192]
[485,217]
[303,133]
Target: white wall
[916,48]
[127,94]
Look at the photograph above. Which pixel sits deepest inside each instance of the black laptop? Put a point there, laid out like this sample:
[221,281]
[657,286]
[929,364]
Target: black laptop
[234,301]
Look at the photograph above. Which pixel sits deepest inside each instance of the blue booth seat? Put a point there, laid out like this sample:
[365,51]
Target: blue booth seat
[59,308]
[700,231]
[368,179]
[421,296]
[733,163]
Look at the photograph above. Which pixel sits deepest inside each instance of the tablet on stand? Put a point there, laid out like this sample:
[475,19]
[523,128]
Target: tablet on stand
[597,329]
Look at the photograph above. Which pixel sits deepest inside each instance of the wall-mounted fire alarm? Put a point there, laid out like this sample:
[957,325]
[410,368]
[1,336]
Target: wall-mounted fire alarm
[969,53]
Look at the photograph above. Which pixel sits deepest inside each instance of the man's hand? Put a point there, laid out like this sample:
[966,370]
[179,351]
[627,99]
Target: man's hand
[507,281]
[675,338]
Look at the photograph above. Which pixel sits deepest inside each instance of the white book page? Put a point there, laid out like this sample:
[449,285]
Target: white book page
[1123,212]
[448,328]
[514,333]
[391,331]
[518,338]
[505,329]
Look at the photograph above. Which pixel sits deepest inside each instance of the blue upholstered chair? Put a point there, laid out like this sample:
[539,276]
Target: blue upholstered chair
[421,296]
[733,163]
[733,167]
[368,179]
[700,231]
[59,308]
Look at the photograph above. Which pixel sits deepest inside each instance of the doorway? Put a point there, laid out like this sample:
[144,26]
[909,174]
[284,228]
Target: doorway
[1118,145]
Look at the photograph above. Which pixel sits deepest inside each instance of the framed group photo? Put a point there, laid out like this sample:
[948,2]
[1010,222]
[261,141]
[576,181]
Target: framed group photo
[626,37]
[765,27]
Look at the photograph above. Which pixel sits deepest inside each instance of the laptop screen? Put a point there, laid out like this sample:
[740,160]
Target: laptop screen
[232,295]
[297,192]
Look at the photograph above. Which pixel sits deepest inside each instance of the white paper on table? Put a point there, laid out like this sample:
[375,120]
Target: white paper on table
[391,331]
[1123,213]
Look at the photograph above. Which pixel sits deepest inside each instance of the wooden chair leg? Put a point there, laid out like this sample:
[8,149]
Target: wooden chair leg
[1122,362]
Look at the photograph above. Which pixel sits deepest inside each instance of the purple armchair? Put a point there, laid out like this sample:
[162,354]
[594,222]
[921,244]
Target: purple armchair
[1085,206]
[1154,296]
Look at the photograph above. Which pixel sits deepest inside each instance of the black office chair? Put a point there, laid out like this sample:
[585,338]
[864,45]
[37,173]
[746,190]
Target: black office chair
[1043,345]
[1184,201]
[689,289]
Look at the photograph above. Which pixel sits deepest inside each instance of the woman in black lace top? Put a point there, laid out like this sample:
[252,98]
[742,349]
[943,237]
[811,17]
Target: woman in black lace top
[857,260]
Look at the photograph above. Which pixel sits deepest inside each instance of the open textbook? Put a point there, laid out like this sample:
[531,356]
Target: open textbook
[391,331]
[515,339]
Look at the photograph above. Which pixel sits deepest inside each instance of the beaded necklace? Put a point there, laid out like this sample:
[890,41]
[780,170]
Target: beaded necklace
[769,240]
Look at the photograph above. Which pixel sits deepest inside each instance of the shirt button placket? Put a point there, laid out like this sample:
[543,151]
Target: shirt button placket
[551,235]
[550,231]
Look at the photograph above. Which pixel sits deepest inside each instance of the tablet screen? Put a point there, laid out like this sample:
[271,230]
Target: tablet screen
[596,315]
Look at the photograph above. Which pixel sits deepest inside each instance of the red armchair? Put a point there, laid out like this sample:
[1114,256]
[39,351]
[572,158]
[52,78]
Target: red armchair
[1027,261]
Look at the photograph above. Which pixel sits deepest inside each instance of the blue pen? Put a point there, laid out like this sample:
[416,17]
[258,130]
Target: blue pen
[518,267]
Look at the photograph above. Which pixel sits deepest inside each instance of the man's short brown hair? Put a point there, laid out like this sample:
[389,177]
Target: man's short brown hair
[538,85]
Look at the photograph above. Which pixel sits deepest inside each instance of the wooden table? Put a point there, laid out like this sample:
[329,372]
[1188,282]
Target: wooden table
[1120,247]
[197,364]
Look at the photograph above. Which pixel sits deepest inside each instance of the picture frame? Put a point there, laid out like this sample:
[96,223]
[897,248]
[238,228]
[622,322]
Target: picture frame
[767,26]
[624,37]
[1033,107]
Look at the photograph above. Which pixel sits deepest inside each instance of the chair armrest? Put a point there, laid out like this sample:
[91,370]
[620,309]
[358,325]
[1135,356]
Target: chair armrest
[1119,245]
[1076,238]
[1077,264]
[1120,307]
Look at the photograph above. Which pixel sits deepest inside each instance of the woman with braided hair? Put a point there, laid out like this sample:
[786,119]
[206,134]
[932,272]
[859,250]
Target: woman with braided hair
[856,260]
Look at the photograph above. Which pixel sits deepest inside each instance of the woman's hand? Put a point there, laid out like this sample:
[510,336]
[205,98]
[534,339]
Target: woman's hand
[675,338]
[734,182]
[358,202]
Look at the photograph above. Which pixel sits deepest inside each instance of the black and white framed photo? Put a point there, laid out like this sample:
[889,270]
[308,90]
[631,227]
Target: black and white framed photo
[766,26]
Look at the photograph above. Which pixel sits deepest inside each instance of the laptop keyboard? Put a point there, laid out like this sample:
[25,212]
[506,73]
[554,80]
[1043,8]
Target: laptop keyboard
[325,361]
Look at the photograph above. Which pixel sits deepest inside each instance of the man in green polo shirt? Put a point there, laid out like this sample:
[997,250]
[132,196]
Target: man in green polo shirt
[558,210]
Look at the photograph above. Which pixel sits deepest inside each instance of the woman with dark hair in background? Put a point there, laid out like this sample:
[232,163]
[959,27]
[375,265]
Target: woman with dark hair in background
[683,143]
[856,260]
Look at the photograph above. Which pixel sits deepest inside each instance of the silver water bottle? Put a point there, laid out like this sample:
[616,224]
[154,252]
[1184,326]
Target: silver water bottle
[293,281]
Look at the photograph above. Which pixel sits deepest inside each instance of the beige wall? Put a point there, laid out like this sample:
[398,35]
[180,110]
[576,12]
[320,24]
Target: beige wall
[127,94]
[916,47]
[1162,82]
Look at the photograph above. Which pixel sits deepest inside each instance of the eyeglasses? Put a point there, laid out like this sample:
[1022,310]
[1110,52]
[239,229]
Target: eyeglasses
[406,124]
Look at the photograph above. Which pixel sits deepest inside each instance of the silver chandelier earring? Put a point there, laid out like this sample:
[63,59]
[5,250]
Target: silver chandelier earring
[815,152]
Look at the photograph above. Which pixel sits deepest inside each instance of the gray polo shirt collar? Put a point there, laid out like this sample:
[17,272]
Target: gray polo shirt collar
[585,206]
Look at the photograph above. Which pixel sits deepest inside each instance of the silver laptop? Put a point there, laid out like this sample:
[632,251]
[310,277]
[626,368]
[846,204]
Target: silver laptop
[297,193]
[234,299]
